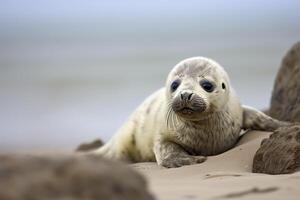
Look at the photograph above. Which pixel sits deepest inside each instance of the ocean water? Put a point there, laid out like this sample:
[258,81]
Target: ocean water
[70,74]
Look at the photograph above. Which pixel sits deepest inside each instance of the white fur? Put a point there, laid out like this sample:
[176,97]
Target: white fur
[148,122]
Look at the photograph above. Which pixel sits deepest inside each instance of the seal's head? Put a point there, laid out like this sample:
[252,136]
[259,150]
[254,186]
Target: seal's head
[197,87]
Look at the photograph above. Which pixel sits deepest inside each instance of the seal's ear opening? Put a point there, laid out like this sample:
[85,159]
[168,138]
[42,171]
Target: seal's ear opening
[223,86]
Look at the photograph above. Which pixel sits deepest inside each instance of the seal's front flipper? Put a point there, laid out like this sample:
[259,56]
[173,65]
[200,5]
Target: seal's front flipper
[171,155]
[256,120]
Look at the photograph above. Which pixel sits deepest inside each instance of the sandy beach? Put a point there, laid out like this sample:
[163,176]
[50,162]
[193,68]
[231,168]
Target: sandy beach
[225,176]
[73,71]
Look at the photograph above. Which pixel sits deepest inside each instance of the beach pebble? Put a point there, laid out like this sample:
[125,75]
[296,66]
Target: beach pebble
[90,146]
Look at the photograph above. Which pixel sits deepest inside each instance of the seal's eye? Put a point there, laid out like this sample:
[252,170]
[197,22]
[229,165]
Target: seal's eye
[223,86]
[175,85]
[207,86]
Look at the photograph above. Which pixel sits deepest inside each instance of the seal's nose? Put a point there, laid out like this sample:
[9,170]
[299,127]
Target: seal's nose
[186,96]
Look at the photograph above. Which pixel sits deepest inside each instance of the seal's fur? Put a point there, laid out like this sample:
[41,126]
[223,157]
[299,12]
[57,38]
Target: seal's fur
[196,114]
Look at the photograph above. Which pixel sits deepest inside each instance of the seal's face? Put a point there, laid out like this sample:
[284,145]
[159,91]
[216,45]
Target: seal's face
[197,87]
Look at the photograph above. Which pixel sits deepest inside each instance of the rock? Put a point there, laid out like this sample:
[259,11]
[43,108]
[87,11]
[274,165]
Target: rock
[285,102]
[68,178]
[90,146]
[280,153]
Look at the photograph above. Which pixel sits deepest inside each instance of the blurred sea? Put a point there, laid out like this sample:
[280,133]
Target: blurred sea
[72,71]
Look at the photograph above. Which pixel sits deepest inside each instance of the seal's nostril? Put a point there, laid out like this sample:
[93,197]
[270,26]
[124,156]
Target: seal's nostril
[190,96]
[181,95]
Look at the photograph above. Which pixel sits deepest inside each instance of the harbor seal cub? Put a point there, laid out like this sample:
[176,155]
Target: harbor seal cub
[196,114]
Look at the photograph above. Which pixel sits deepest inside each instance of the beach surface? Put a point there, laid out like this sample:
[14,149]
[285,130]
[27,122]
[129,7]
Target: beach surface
[225,176]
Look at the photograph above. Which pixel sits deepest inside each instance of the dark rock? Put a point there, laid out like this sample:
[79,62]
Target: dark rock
[68,178]
[280,153]
[285,102]
[90,146]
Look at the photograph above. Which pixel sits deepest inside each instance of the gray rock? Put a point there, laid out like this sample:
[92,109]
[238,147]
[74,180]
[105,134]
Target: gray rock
[280,153]
[285,102]
[68,178]
[90,146]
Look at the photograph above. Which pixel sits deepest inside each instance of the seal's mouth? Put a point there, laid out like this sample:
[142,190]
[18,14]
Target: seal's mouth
[186,111]
[188,105]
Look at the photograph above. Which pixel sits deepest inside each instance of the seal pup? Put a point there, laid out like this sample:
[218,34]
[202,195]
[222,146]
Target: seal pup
[196,114]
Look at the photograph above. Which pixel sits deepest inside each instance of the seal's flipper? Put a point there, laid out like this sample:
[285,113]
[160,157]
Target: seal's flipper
[171,155]
[256,120]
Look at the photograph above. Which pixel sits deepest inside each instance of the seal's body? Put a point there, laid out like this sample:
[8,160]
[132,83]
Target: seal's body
[196,114]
